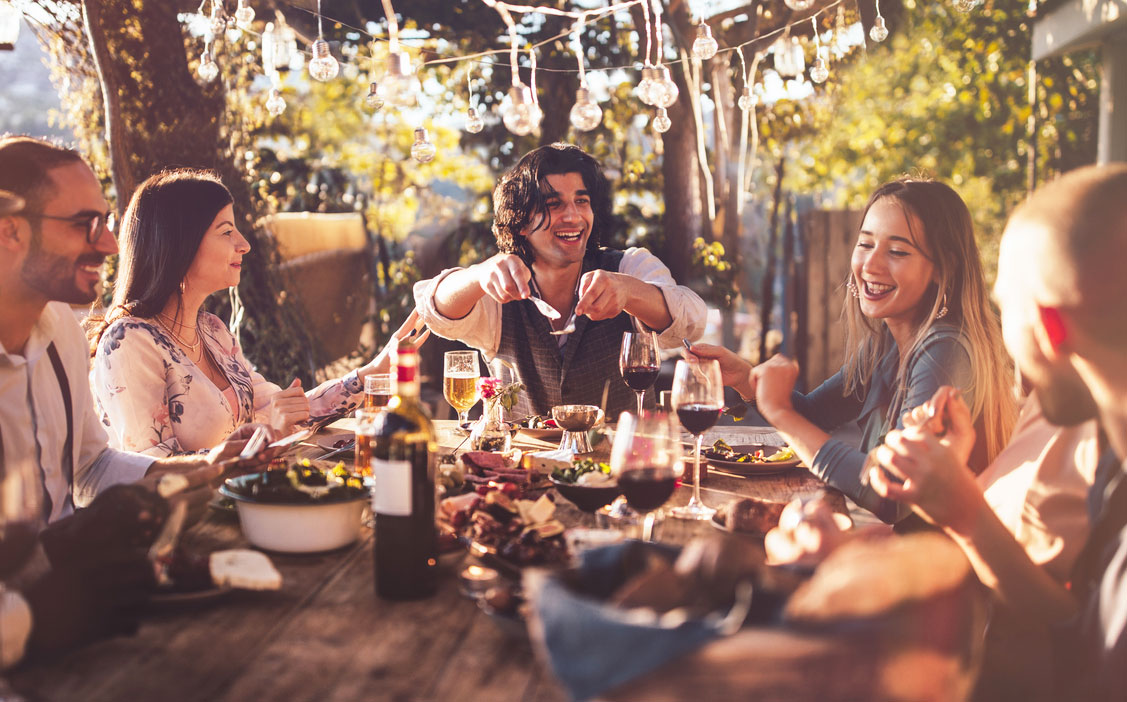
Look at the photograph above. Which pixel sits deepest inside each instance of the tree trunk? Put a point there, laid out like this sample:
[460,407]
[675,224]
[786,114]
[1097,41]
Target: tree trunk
[767,302]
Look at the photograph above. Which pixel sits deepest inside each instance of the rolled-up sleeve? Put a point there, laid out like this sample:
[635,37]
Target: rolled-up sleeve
[110,467]
[687,309]
[481,328]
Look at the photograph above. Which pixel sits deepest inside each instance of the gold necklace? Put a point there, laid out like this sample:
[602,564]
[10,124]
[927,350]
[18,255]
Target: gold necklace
[192,347]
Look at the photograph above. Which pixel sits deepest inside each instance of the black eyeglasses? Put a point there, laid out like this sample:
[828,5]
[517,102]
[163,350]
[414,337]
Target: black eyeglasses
[95,224]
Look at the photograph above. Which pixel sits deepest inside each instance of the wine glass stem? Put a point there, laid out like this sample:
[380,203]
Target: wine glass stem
[640,395]
[648,526]
[696,469]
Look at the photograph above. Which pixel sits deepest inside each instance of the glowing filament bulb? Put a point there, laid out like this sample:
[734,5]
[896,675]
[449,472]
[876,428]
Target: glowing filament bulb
[323,66]
[819,72]
[521,116]
[704,47]
[373,99]
[244,15]
[275,104]
[474,122]
[878,32]
[665,91]
[208,70]
[585,114]
[422,150]
[661,122]
[398,84]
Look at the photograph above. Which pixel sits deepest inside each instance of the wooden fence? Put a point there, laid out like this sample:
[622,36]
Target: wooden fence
[815,282]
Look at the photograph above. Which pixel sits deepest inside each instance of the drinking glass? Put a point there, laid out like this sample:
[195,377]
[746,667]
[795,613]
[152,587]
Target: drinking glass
[638,362]
[459,382]
[377,391]
[698,397]
[20,518]
[646,461]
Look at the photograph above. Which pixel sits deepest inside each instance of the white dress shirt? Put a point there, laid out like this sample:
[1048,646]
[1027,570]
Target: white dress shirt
[481,328]
[33,417]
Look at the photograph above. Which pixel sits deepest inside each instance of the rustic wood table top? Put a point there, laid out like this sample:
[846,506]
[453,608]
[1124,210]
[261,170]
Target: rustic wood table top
[326,636]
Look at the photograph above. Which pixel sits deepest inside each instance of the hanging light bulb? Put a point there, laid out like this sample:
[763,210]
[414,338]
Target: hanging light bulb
[797,57]
[704,46]
[9,26]
[665,91]
[244,15]
[208,70]
[520,117]
[585,113]
[819,72]
[373,100]
[398,84]
[275,104]
[474,122]
[218,20]
[269,39]
[799,5]
[747,100]
[323,66]
[661,121]
[422,150]
[878,32]
[966,5]
[646,85]
[232,32]
[286,54]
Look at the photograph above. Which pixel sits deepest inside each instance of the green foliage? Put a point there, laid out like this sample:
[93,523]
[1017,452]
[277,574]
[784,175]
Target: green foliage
[947,96]
[716,283]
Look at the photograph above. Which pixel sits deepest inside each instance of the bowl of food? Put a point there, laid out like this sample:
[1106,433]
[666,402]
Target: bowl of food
[303,509]
[587,484]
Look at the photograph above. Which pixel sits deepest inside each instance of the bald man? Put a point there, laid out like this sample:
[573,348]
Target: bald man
[1061,288]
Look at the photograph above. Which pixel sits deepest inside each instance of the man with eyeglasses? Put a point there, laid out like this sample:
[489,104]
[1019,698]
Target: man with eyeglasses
[54,239]
[51,255]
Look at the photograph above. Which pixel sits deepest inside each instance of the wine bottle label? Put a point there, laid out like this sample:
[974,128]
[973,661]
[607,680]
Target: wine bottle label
[392,495]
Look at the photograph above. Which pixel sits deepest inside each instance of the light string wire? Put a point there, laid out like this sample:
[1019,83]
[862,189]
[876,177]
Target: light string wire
[320,25]
[602,13]
[392,26]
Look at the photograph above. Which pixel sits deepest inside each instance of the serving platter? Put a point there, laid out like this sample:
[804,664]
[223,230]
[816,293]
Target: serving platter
[751,468]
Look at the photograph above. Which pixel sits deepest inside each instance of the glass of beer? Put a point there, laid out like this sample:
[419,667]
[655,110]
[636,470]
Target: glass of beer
[459,382]
[365,429]
[377,391]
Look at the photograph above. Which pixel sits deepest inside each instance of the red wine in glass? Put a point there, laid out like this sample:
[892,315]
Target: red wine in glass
[698,418]
[640,378]
[646,489]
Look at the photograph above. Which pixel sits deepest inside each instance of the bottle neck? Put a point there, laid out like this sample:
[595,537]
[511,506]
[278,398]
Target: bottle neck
[405,379]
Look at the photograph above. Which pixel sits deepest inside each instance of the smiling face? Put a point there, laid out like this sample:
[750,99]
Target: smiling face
[218,261]
[60,264]
[1065,400]
[561,238]
[889,264]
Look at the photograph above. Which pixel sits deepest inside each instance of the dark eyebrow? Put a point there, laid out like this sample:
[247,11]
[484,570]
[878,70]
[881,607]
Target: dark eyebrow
[909,242]
[90,213]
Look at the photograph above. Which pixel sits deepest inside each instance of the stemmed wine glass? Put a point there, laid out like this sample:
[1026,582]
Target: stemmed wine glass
[20,518]
[459,382]
[646,461]
[638,362]
[698,397]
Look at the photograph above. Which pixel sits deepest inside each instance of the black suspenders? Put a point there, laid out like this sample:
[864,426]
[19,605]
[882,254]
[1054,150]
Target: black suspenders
[68,446]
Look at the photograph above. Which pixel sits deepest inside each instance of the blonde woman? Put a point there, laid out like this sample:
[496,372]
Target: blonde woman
[917,318]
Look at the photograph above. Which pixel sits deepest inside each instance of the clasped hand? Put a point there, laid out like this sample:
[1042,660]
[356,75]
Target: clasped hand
[929,455]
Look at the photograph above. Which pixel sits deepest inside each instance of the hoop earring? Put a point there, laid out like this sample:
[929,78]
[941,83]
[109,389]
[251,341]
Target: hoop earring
[851,286]
[942,308]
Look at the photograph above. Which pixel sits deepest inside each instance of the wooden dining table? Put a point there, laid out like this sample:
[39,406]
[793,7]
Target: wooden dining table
[325,635]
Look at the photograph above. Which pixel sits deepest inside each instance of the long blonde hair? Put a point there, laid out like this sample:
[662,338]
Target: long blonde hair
[960,287]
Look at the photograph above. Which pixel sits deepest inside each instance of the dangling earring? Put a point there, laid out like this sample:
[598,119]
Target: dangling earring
[181,288]
[942,308]
[851,286]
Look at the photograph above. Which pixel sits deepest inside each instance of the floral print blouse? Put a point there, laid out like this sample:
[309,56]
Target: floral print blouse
[154,400]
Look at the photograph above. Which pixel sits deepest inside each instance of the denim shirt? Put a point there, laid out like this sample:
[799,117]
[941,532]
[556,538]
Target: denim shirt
[941,358]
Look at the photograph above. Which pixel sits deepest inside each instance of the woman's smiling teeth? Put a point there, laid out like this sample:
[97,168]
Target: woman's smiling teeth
[874,290]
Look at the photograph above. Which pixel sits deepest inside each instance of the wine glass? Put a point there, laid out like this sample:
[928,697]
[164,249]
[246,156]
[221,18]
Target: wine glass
[698,397]
[638,362]
[459,382]
[21,514]
[646,461]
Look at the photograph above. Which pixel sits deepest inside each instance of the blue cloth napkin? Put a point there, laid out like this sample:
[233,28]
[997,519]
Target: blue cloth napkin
[592,646]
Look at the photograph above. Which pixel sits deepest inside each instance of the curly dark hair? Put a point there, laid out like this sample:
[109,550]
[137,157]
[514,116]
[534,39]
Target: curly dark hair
[521,193]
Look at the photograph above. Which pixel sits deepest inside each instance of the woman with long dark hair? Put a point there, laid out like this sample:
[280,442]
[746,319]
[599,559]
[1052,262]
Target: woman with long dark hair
[167,376]
[917,318]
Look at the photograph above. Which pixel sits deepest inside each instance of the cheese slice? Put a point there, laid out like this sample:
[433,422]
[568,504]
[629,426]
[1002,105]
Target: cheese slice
[244,569]
[548,461]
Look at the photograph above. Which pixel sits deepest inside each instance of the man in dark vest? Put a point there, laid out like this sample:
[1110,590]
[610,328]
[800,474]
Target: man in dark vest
[551,211]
